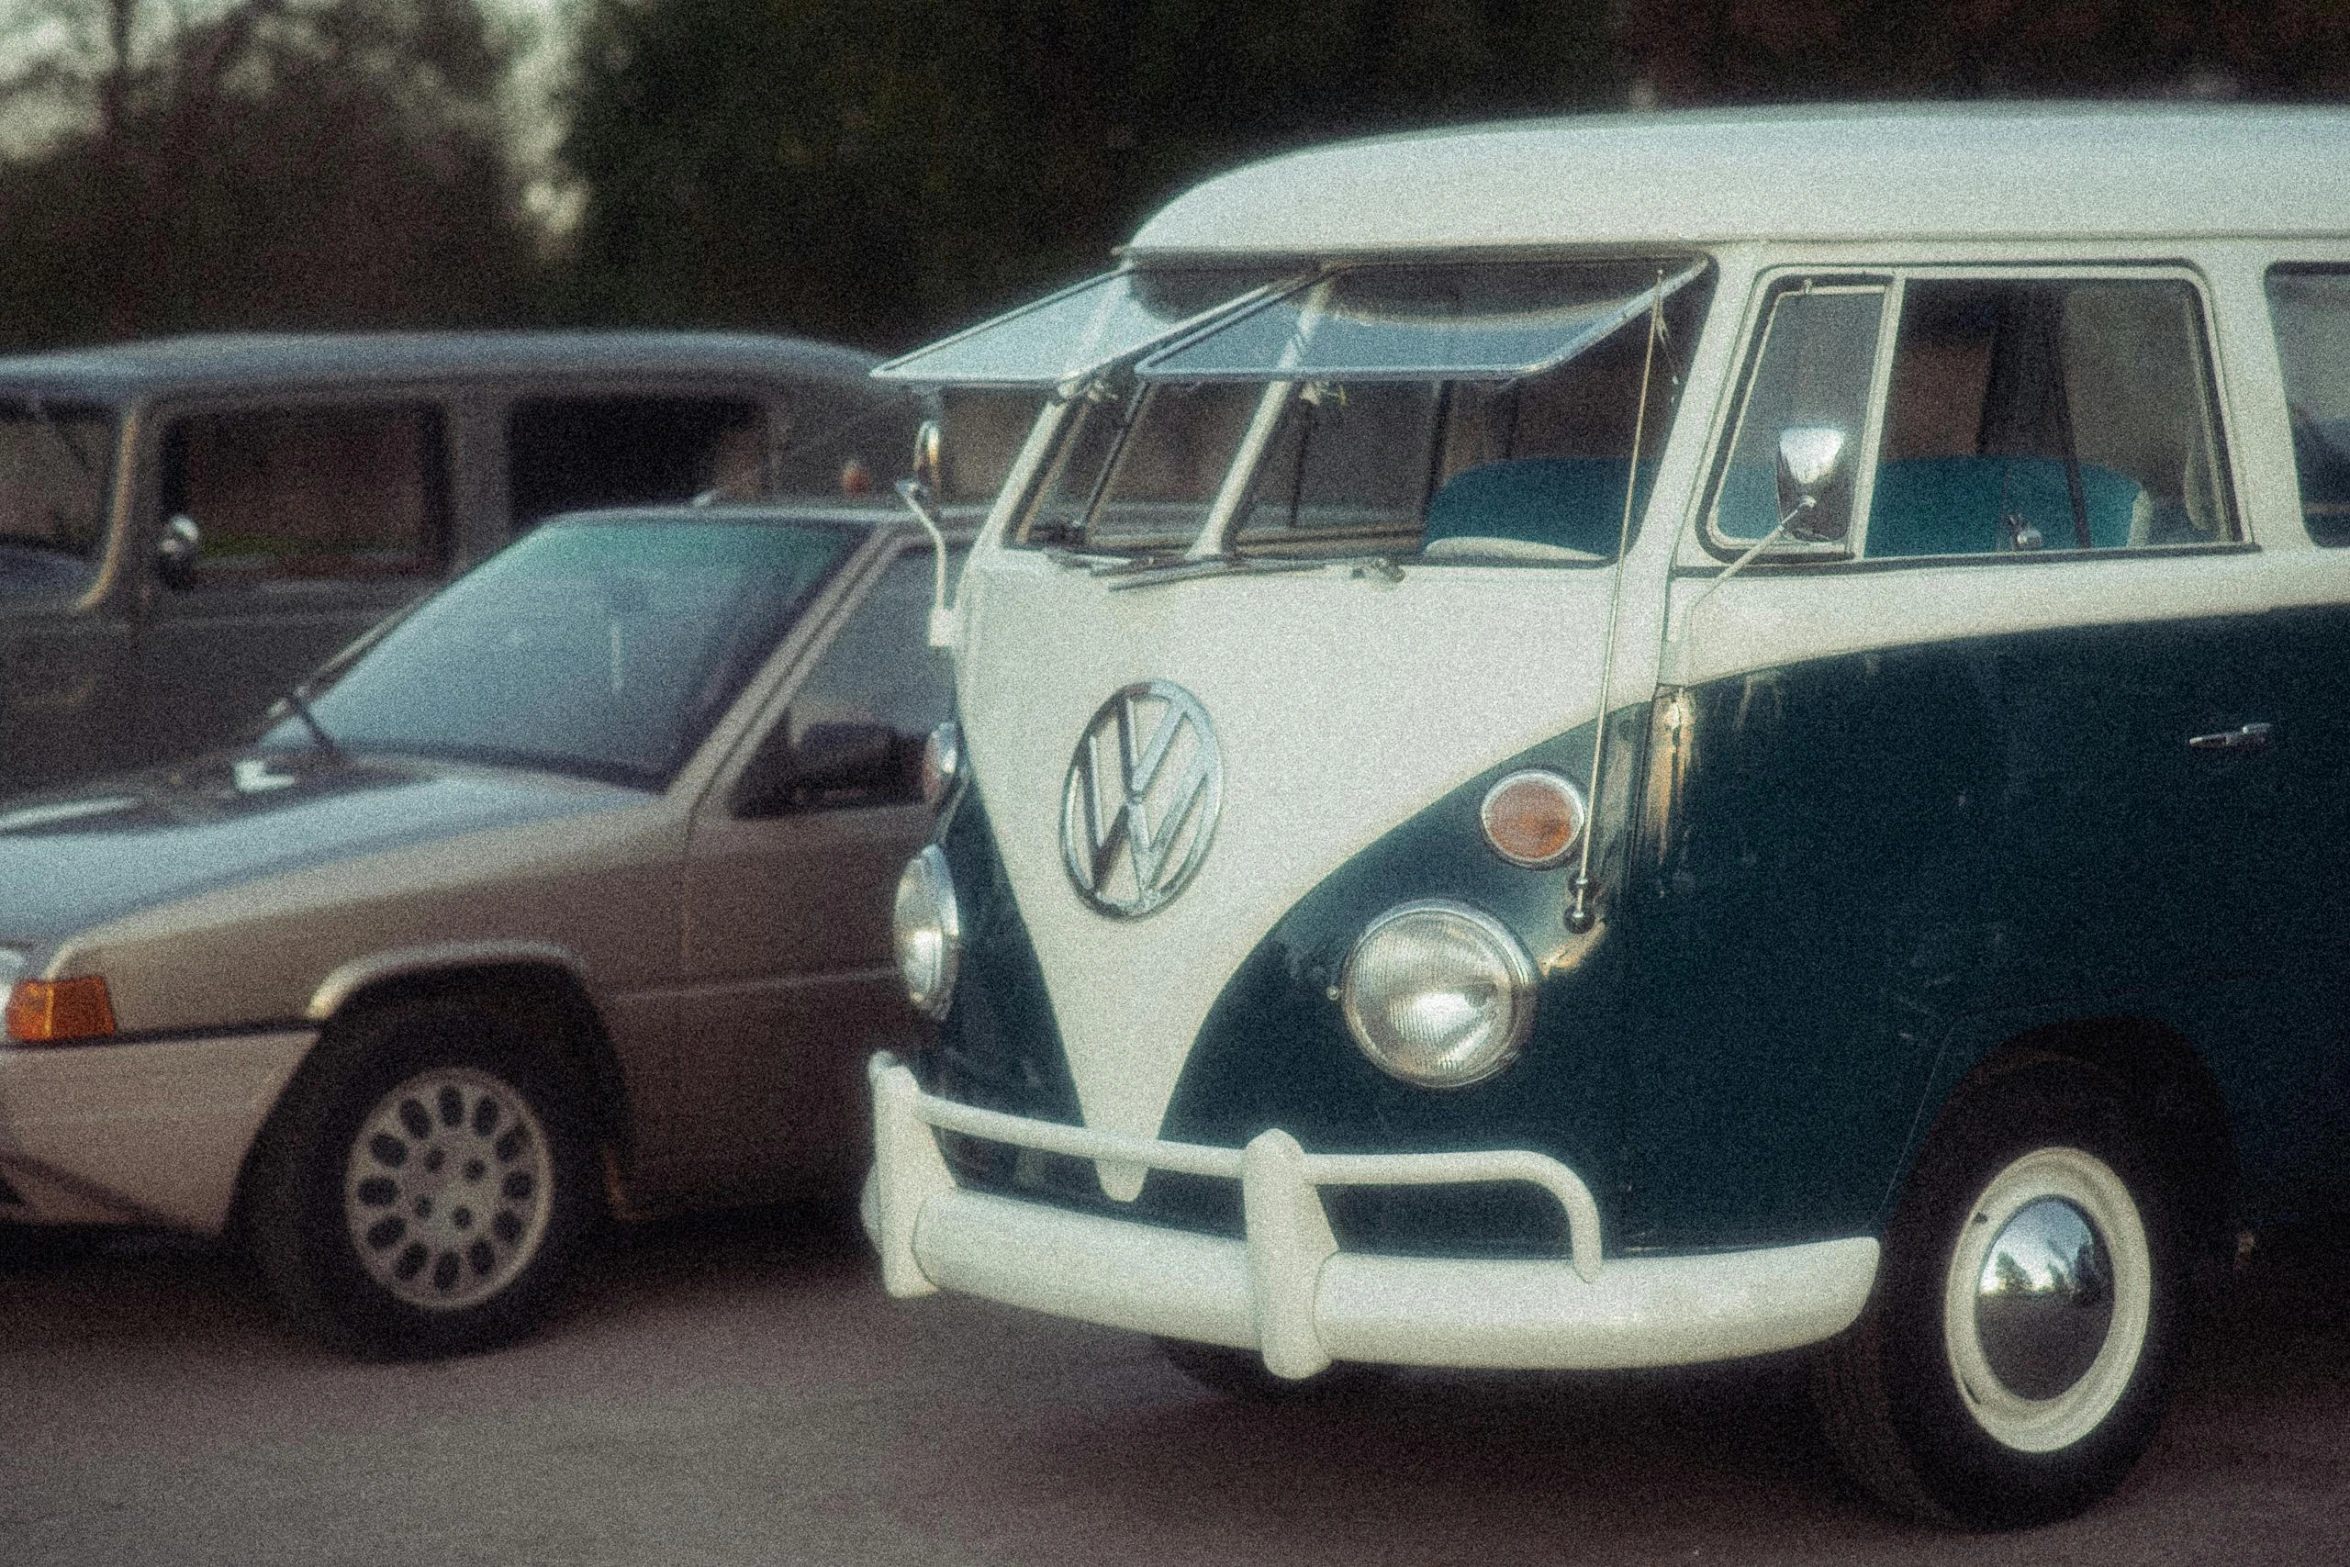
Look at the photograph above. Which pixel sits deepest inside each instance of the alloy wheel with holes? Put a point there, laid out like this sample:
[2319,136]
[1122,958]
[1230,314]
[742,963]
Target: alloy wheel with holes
[2016,1355]
[447,1189]
[426,1184]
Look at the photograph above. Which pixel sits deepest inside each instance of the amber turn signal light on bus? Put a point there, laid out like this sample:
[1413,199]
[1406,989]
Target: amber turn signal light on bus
[1533,818]
[54,1011]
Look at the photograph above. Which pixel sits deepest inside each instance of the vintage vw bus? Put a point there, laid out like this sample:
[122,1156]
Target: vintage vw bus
[1641,740]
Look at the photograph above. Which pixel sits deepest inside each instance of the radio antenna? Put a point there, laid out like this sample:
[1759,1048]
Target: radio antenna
[1579,911]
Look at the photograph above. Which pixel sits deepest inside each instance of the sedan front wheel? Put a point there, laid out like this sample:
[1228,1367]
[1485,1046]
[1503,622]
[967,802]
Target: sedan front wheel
[426,1186]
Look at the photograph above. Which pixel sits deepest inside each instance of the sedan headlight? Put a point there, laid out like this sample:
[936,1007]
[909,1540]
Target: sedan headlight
[928,931]
[1438,994]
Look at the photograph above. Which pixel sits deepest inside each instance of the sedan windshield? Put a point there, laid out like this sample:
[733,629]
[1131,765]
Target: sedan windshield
[605,648]
[54,459]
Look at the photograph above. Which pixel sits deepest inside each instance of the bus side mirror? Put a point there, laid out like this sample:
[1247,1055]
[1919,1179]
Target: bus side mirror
[1809,459]
[930,457]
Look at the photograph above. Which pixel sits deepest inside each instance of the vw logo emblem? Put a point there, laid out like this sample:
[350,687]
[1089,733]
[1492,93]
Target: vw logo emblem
[1141,801]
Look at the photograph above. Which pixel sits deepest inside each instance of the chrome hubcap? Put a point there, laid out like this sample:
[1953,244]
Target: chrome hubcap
[2044,1300]
[447,1188]
[2048,1299]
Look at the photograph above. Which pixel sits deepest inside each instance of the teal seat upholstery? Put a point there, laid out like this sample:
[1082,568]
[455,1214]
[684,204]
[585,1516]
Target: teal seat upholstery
[1574,503]
[1955,505]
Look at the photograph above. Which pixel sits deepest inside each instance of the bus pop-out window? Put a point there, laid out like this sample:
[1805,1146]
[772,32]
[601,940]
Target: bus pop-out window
[2310,310]
[1424,438]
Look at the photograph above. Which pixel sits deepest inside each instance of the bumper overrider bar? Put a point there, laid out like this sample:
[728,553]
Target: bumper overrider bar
[1288,1292]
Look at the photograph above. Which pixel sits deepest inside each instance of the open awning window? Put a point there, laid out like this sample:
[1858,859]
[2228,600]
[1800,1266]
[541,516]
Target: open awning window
[1481,321]
[1083,330]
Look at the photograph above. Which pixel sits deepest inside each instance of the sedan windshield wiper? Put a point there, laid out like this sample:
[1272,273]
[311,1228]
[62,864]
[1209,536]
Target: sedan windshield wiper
[300,706]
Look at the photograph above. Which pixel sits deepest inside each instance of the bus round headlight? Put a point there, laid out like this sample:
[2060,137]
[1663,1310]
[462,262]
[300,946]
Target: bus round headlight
[1438,994]
[927,929]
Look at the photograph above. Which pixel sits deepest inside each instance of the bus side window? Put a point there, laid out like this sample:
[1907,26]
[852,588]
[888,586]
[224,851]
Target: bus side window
[1811,369]
[2048,415]
[2310,309]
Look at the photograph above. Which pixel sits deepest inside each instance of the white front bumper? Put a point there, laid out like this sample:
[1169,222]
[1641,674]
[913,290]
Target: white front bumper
[1287,1291]
[152,1132]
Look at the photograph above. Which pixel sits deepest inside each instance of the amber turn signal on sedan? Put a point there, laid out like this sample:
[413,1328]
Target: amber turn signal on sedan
[55,1011]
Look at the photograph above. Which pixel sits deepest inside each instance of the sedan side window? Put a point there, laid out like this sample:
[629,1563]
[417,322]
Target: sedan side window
[857,723]
[55,464]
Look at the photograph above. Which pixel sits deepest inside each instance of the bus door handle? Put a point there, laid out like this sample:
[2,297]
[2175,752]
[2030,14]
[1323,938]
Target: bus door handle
[2246,737]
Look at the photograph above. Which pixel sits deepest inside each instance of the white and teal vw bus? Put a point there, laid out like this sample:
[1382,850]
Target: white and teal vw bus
[1635,741]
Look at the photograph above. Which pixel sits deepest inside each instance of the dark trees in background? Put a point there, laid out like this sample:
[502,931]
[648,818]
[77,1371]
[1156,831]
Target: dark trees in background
[882,170]
[1741,50]
[261,163]
[877,170]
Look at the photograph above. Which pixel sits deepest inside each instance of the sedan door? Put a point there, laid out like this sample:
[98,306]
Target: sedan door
[792,862]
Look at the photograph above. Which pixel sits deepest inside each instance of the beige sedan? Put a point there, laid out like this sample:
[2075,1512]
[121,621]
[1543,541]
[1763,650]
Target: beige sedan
[564,896]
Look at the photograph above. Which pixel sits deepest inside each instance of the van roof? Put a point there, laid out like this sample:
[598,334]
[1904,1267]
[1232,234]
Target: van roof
[2143,171]
[267,361]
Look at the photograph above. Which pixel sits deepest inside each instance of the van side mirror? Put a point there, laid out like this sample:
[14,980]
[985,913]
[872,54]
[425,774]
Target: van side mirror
[176,552]
[1810,457]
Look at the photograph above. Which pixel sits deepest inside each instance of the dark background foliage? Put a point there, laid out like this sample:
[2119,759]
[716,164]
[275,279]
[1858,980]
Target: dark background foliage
[876,170]
[270,162]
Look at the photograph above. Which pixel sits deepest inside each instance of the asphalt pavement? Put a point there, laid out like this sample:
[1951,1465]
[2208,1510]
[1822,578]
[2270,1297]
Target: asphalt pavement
[737,1390]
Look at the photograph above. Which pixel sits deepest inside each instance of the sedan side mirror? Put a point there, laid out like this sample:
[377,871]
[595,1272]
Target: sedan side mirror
[829,764]
[176,552]
[1810,460]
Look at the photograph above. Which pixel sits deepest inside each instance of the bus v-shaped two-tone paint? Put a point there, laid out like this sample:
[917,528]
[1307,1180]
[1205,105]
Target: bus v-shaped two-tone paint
[1644,740]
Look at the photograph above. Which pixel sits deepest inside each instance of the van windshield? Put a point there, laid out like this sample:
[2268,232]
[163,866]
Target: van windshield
[1457,413]
[54,462]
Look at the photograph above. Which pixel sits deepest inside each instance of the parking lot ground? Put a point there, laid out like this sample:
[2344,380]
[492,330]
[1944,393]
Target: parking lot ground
[736,1390]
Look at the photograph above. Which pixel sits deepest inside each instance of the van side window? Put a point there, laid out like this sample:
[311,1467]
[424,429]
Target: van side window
[571,453]
[2311,312]
[1811,369]
[2048,416]
[55,463]
[311,492]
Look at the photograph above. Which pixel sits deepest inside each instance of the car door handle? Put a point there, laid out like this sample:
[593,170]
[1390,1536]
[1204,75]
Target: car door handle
[2246,737]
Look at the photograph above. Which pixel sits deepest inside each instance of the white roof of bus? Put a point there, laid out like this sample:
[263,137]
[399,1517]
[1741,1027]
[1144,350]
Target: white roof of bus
[1981,171]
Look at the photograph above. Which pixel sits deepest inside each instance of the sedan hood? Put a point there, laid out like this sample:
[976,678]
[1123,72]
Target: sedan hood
[69,861]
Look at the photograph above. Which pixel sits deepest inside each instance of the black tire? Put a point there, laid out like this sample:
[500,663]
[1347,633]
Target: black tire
[2017,1406]
[1241,1373]
[427,1185]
